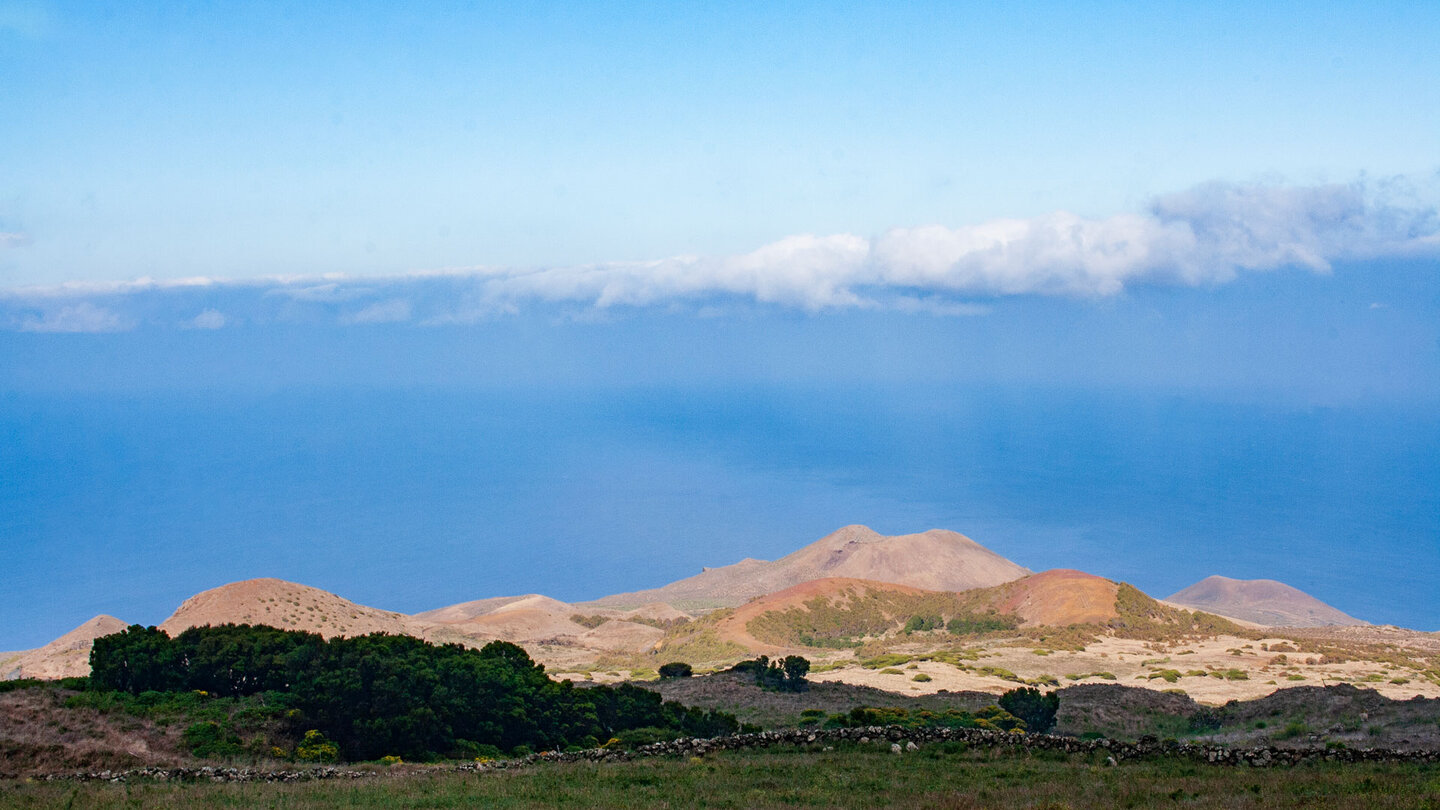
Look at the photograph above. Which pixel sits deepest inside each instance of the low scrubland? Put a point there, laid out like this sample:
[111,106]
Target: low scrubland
[945,775]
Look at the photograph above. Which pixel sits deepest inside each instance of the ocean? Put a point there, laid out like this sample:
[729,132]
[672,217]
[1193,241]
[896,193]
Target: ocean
[413,498]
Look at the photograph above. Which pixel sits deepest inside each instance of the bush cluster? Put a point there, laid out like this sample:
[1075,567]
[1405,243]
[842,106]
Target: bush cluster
[1034,707]
[781,675]
[991,717]
[381,695]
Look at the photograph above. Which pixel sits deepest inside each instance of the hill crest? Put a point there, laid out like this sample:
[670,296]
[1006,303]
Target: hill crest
[936,560]
[1263,601]
[67,656]
[286,605]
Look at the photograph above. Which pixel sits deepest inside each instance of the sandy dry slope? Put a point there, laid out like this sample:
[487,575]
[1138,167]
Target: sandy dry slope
[935,560]
[1133,662]
[1263,601]
[546,627]
[67,656]
[286,605]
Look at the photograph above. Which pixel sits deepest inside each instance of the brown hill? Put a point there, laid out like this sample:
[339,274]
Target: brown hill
[286,605]
[525,618]
[840,613]
[834,609]
[935,560]
[1054,598]
[469,610]
[1263,601]
[67,656]
[539,620]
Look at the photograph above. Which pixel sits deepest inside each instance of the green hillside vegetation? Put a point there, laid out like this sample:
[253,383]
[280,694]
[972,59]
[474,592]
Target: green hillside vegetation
[1142,617]
[845,620]
[850,620]
[595,620]
[695,642]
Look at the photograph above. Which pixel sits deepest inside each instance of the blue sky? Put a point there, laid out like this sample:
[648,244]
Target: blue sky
[244,139]
[284,287]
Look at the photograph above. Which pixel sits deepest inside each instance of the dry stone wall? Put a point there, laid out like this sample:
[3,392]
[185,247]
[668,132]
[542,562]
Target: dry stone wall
[893,738]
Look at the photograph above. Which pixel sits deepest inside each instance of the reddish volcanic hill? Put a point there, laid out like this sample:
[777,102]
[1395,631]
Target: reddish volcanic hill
[1263,601]
[1057,597]
[935,560]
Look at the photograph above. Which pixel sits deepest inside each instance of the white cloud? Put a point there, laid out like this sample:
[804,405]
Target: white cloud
[209,319]
[395,310]
[1206,235]
[81,317]
[806,271]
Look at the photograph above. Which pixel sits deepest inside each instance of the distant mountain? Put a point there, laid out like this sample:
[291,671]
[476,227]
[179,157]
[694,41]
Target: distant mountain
[935,560]
[66,657]
[1263,601]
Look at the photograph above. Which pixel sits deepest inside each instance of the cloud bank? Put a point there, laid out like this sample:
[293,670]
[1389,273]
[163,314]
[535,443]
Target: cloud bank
[1207,235]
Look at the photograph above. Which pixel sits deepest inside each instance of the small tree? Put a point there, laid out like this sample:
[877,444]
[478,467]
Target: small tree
[1032,706]
[783,675]
[796,668]
[676,669]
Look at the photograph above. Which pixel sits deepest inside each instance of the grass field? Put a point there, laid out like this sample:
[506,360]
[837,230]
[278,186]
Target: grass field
[943,775]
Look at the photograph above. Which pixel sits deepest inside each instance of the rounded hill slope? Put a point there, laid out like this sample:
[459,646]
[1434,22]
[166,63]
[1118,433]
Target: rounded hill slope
[935,560]
[67,656]
[1263,601]
[285,605]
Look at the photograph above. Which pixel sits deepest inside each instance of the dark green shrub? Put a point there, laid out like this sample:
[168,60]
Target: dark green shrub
[1204,720]
[923,623]
[465,749]
[209,739]
[677,669]
[1292,730]
[20,683]
[1036,709]
[975,623]
[636,737]
[785,675]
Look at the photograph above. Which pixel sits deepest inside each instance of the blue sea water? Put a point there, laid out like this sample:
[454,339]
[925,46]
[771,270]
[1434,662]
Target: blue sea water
[126,503]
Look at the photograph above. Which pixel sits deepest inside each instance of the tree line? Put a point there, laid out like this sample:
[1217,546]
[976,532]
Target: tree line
[379,695]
